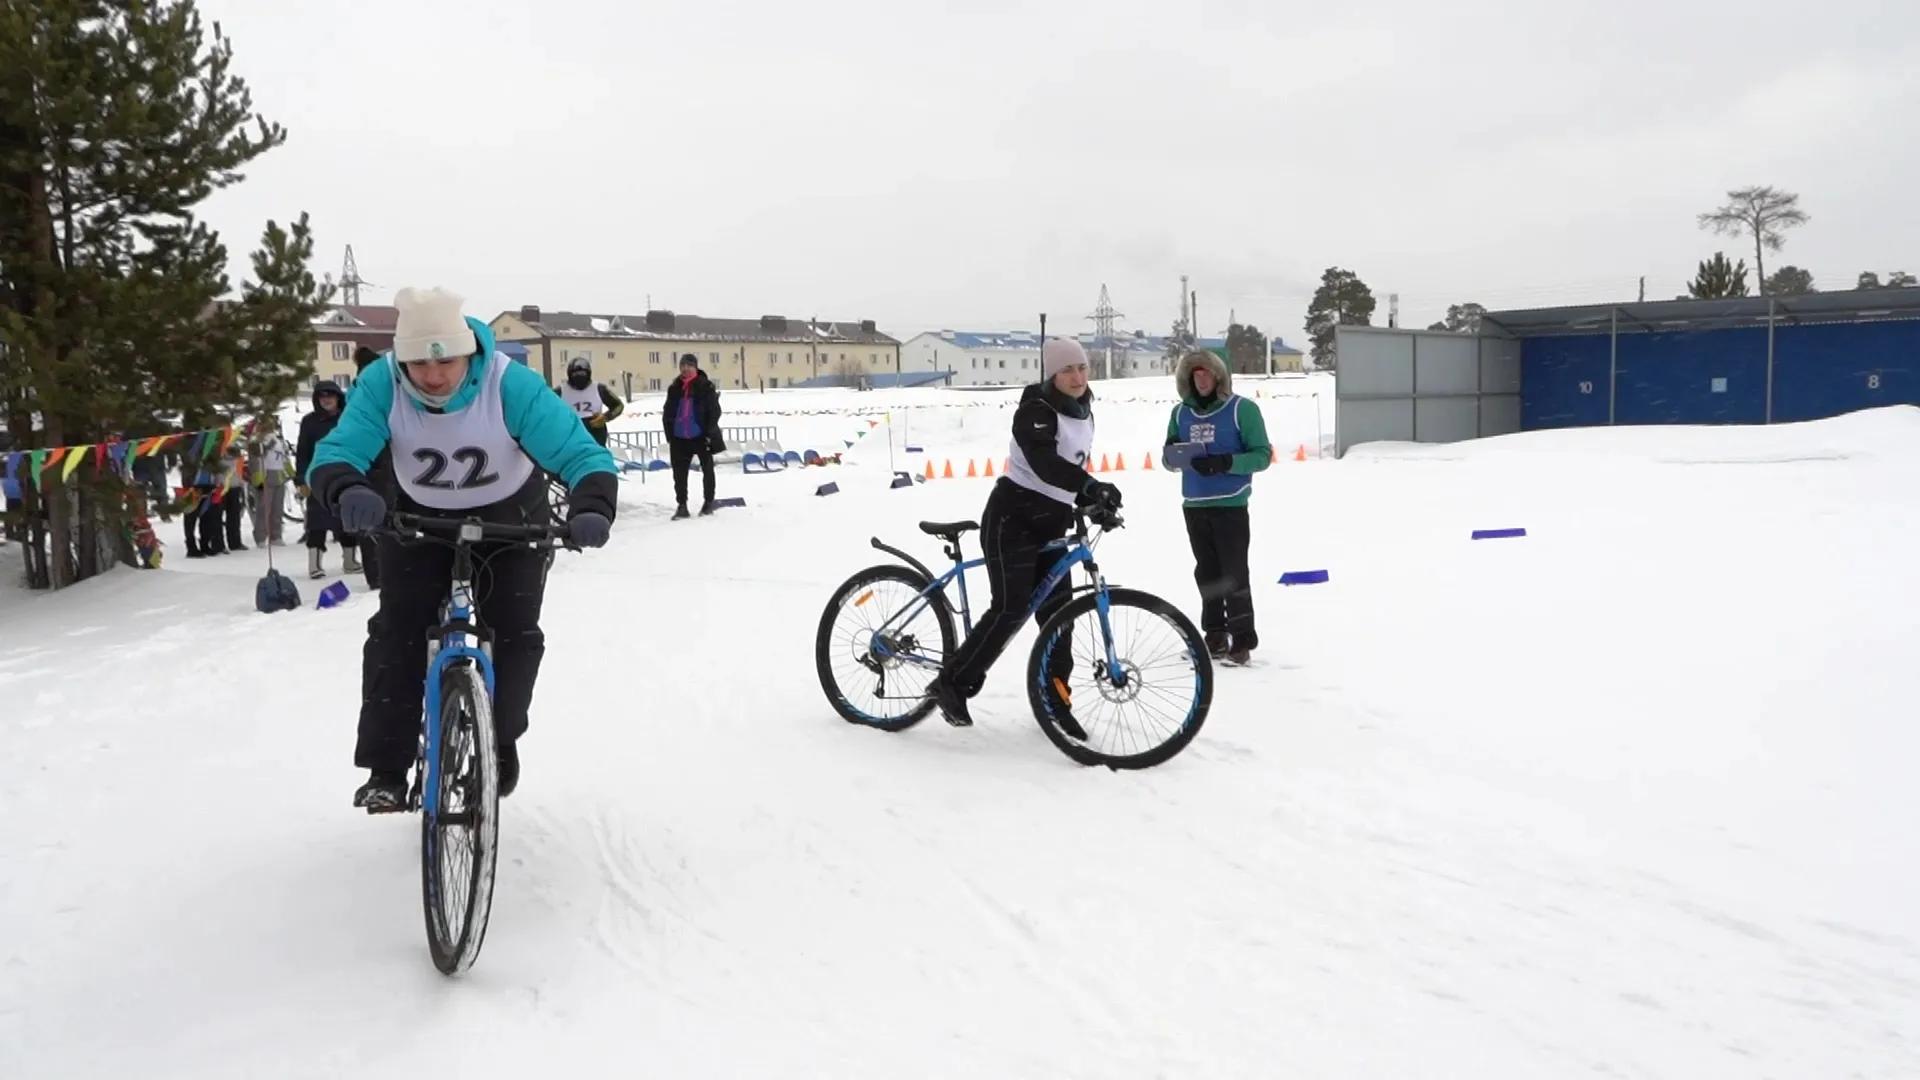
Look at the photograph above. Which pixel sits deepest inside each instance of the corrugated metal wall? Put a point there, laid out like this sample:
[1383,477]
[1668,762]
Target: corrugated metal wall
[1718,376]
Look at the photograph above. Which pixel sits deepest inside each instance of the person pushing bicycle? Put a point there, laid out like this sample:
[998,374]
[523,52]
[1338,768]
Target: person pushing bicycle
[473,432]
[1031,506]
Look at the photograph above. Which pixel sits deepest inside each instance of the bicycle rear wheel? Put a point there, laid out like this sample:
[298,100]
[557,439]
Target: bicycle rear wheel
[1160,702]
[851,653]
[459,840]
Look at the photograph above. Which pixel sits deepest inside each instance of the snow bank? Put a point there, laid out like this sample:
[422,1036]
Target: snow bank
[1891,433]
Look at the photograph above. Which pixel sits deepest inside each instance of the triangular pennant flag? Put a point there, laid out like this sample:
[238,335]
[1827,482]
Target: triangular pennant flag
[39,461]
[99,456]
[13,465]
[75,456]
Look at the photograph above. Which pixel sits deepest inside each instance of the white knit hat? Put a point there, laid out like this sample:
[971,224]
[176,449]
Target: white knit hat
[431,326]
[1059,354]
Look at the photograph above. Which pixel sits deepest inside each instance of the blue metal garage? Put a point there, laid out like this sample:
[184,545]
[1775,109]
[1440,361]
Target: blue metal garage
[1750,360]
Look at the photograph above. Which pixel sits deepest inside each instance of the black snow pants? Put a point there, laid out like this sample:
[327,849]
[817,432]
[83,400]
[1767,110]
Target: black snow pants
[681,453]
[1017,523]
[1220,536]
[509,587]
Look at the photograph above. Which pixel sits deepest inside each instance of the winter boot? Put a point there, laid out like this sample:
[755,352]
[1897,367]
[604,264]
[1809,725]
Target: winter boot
[952,703]
[509,768]
[316,558]
[385,792]
[1217,643]
[350,560]
[1242,651]
[681,513]
[706,508]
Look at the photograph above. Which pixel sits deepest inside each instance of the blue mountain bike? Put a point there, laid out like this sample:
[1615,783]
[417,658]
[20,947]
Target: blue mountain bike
[456,776]
[887,629]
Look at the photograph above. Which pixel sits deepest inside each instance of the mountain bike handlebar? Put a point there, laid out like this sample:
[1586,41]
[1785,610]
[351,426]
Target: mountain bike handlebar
[473,530]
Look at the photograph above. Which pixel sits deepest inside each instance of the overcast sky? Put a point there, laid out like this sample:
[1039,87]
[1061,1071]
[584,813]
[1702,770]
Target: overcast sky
[968,164]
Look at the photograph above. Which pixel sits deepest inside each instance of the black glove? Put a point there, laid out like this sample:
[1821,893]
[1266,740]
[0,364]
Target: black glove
[1100,493]
[1212,464]
[589,528]
[360,509]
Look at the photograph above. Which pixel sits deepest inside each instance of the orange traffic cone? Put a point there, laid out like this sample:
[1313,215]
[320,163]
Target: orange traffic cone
[1300,454]
[929,468]
[989,466]
[972,471]
[947,474]
[1119,463]
[1148,464]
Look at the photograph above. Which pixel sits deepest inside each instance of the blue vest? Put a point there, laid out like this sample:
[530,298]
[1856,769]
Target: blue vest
[1220,430]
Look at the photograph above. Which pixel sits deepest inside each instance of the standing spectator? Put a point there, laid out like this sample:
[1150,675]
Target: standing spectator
[328,399]
[592,402]
[269,462]
[1216,487]
[231,477]
[201,517]
[692,421]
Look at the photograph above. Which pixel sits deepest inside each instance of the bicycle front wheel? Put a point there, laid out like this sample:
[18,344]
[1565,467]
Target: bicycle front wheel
[1134,710]
[459,842]
[875,665]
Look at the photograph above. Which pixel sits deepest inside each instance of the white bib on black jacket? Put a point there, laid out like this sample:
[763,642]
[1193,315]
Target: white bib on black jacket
[1074,437]
[461,460]
[585,403]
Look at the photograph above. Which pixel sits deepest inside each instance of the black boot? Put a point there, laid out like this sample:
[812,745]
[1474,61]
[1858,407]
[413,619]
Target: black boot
[509,768]
[681,513]
[385,792]
[952,703]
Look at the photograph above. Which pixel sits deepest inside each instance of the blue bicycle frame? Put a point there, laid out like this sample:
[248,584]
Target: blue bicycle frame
[459,641]
[1078,551]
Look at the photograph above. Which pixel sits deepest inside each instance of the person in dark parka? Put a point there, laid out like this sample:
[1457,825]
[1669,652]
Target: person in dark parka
[328,400]
[692,421]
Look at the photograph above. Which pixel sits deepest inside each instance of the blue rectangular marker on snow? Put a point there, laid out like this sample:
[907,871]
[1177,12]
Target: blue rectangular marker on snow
[1497,534]
[1303,577]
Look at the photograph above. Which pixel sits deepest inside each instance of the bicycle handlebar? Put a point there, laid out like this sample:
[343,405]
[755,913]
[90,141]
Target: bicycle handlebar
[473,530]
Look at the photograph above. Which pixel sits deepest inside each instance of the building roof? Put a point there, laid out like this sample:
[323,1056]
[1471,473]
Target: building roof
[672,326]
[1030,340]
[1855,305]
[877,379]
[359,317]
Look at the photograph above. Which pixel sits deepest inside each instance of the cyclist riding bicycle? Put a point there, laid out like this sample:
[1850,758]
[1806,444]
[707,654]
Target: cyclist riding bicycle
[1031,506]
[592,402]
[472,434]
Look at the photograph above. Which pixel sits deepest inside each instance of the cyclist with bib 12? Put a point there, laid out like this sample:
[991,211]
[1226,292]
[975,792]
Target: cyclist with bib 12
[596,405]
[1031,506]
[472,434]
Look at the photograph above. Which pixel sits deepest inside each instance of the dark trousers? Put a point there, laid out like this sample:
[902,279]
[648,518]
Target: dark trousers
[598,431]
[1017,523]
[320,523]
[1220,536]
[235,507]
[509,586]
[209,519]
[681,453]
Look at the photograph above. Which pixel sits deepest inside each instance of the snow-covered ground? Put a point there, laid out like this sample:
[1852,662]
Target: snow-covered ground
[1631,796]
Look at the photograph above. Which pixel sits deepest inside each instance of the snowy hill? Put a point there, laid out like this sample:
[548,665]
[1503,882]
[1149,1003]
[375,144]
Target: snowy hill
[1631,795]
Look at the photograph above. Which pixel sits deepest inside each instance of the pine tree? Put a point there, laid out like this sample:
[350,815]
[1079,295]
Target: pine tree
[1719,279]
[116,120]
[1341,300]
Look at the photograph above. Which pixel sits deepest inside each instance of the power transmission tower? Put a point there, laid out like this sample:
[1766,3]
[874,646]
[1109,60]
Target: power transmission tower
[350,281]
[1103,317]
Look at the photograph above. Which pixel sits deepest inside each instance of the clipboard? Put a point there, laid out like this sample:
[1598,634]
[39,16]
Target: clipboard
[1180,453]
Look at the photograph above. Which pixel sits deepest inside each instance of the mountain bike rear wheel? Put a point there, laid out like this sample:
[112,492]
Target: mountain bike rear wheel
[851,654]
[459,840]
[1162,697]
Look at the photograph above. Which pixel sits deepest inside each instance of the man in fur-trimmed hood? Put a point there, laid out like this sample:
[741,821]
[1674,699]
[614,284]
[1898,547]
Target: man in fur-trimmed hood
[1216,485]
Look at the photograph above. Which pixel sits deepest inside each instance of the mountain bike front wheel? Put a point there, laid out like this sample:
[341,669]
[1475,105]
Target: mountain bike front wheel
[459,841]
[1135,709]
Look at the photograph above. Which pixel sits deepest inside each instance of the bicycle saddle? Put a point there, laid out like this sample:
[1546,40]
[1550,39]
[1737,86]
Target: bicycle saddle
[948,530]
